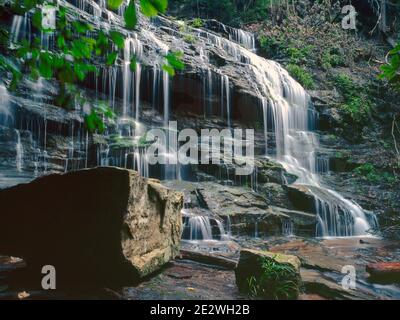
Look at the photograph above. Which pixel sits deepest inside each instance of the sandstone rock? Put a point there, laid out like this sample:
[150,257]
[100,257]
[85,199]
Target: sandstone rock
[102,225]
[301,198]
[389,271]
[268,275]
[304,224]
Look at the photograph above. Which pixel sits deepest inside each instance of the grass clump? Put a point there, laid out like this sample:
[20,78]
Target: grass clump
[277,281]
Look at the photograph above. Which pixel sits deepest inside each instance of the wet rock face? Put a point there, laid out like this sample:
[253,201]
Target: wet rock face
[384,271]
[103,225]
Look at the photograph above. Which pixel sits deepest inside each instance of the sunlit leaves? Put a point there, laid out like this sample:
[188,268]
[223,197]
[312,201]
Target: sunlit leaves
[111,58]
[391,70]
[170,70]
[81,27]
[61,42]
[114,4]
[151,8]
[101,44]
[117,38]
[82,69]
[37,19]
[45,65]
[174,62]
[132,64]
[94,120]
[130,15]
[22,6]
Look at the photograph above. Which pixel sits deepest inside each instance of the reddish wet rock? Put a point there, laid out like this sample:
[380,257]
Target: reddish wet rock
[388,270]
[186,280]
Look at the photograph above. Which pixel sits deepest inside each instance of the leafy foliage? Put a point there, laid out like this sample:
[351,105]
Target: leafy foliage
[174,62]
[232,12]
[356,105]
[301,75]
[79,49]
[391,70]
[373,175]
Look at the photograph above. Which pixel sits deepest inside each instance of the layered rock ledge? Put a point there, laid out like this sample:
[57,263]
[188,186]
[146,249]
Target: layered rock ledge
[103,225]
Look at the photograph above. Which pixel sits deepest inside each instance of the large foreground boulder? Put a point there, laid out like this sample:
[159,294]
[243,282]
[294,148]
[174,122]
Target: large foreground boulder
[102,225]
[268,275]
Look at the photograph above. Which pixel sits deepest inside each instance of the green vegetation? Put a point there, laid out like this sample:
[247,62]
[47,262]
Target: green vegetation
[79,50]
[232,12]
[373,175]
[197,23]
[356,105]
[189,38]
[277,281]
[330,58]
[391,70]
[301,75]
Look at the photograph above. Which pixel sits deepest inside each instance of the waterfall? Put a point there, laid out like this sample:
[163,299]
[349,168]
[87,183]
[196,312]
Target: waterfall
[296,147]
[138,74]
[132,47]
[293,119]
[6,117]
[202,227]
[19,152]
[287,227]
[166,98]
[242,37]
[285,105]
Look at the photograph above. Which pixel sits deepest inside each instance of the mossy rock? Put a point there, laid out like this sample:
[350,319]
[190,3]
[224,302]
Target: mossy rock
[268,275]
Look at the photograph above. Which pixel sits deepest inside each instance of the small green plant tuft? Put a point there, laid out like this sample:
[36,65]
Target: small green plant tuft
[277,281]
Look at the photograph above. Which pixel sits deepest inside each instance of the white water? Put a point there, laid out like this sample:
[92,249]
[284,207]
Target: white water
[19,151]
[199,227]
[6,117]
[296,144]
[280,96]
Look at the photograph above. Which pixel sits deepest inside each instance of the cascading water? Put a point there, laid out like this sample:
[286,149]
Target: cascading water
[293,119]
[282,99]
[19,152]
[242,37]
[6,117]
[202,227]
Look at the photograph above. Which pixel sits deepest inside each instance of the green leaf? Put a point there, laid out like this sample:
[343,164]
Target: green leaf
[80,71]
[151,8]
[169,69]
[45,65]
[37,19]
[118,39]
[111,58]
[175,60]
[132,64]
[81,27]
[61,42]
[130,15]
[114,4]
